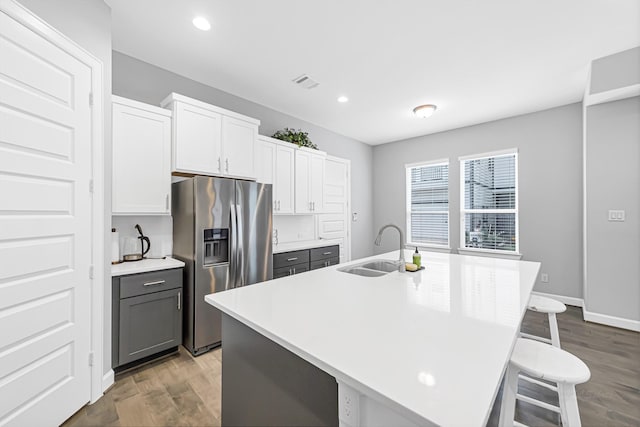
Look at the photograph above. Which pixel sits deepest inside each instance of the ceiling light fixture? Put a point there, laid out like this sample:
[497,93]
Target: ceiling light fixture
[201,23]
[424,111]
[343,99]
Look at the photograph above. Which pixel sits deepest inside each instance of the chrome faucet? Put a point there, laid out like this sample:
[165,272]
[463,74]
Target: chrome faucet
[401,267]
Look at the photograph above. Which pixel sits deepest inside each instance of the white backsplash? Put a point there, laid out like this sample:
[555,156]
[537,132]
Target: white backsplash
[294,228]
[159,230]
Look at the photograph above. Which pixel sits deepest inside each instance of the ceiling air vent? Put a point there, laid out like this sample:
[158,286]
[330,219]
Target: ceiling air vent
[305,82]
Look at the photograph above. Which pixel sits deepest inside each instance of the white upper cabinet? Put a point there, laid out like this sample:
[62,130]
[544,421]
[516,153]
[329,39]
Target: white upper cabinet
[309,181]
[197,140]
[238,142]
[283,179]
[275,165]
[141,158]
[210,140]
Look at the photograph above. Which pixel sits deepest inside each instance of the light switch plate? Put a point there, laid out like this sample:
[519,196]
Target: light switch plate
[616,215]
[354,216]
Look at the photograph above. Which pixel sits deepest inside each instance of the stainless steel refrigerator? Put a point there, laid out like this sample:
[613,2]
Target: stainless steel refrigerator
[222,231]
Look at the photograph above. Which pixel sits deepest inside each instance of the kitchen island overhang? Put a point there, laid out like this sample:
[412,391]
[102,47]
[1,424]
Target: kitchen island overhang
[414,345]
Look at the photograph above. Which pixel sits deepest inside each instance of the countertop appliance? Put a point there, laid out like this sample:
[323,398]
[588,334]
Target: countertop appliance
[134,246]
[222,232]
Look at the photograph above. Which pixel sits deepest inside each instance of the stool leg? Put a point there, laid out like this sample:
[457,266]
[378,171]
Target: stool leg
[553,327]
[509,391]
[569,405]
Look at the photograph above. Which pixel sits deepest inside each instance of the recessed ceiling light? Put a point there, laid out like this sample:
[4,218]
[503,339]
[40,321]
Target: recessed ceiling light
[201,23]
[424,111]
[343,99]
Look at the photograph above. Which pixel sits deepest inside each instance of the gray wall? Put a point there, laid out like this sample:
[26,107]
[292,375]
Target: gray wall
[613,182]
[615,71]
[88,23]
[144,82]
[549,147]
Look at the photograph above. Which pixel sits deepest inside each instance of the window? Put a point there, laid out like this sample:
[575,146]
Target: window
[489,213]
[428,204]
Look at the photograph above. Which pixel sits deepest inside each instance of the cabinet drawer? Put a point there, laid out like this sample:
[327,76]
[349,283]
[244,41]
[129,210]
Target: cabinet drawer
[321,263]
[325,252]
[289,270]
[146,283]
[286,259]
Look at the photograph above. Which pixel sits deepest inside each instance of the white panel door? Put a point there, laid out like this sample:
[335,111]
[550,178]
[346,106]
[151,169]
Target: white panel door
[197,140]
[141,159]
[303,176]
[238,143]
[335,222]
[283,184]
[45,234]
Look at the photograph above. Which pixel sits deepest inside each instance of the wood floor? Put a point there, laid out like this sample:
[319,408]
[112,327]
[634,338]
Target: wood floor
[185,391]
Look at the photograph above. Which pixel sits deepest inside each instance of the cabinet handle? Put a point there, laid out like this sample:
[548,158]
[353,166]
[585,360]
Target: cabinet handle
[179,305]
[219,167]
[278,204]
[313,206]
[294,270]
[226,165]
[290,273]
[292,259]
[326,263]
[326,253]
[157,282]
[166,202]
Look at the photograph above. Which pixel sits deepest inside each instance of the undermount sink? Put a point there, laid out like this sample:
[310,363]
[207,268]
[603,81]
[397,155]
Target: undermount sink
[371,268]
[382,265]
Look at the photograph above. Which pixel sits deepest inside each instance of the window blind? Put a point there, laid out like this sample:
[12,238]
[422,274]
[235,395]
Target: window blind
[489,215]
[428,204]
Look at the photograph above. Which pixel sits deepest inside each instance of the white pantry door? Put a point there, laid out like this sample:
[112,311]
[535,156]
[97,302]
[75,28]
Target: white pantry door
[335,222]
[45,229]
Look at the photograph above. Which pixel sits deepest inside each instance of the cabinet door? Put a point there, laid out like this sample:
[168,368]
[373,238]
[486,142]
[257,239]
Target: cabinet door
[238,143]
[265,162]
[316,183]
[303,175]
[283,184]
[141,161]
[197,142]
[148,324]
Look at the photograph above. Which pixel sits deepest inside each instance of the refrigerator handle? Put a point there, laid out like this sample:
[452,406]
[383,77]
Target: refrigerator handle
[234,247]
[240,279]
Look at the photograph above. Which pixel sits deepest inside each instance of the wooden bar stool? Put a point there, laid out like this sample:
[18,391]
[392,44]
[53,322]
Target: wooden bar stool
[551,307]
[546,362]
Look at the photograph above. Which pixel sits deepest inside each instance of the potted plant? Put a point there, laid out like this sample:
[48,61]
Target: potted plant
[298,137]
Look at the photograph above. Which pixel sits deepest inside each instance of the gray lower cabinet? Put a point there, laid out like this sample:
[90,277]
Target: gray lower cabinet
[294,262]
[147,315]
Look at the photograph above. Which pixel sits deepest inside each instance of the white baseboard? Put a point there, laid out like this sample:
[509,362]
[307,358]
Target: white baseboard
[576,302]
[107,380]
[617,322]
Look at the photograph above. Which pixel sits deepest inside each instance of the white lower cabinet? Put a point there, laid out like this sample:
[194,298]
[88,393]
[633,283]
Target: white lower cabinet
[309,181]
[210,140]
[141,182]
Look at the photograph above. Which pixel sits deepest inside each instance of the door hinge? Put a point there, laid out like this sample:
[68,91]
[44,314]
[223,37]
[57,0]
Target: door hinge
[91,359]
[91,99]
[90,186]
[91,272]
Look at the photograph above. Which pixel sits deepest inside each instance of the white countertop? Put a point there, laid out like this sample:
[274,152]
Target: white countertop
[433,344]
[305,244]
[146,265]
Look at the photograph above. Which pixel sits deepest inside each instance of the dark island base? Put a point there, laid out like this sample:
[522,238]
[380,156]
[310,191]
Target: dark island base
[263,384]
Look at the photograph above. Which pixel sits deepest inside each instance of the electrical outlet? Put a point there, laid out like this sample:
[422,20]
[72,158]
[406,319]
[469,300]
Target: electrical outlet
[544,277]
[348,406]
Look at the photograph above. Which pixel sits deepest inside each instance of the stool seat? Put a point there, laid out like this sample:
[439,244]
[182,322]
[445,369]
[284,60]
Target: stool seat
[545,305]
[548,362]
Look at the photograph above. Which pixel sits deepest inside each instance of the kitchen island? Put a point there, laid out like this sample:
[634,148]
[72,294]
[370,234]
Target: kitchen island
[424,348]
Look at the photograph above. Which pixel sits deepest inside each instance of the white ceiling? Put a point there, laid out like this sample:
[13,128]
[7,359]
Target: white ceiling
[477,60]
